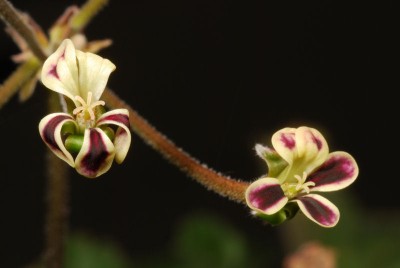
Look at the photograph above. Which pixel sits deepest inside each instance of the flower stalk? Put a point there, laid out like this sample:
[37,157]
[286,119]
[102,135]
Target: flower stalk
[212,180]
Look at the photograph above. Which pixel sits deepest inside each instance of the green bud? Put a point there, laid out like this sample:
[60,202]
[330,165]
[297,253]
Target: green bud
[68,128]
[109,132]
[286,213]
[99,110]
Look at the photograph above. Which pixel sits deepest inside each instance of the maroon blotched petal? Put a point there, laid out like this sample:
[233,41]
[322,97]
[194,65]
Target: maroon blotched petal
[312,148]
[266,196]
[122,140]
[337,172]
[60,71]
[284,142]
[50,131]
[319,209]
[96,154]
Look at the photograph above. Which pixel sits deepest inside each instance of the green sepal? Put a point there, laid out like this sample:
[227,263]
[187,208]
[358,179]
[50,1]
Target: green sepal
[276,164]
[286,213]
[99,111]
[73,143]
[109,132]
[68,128]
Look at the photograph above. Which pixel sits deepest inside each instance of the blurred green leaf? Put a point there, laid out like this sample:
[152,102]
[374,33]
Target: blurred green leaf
[206,241]
[84,251]
[203,240]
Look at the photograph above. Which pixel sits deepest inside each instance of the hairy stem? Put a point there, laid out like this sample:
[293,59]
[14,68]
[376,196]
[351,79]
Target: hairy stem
[11,17]
[57,204]
[223,185]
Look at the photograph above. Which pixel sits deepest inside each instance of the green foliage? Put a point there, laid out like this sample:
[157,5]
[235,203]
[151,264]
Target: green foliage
[204,241]
[360,239]
[84,251]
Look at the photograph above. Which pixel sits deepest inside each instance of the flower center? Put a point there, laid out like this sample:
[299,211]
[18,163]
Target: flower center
[292,190]
[85,115]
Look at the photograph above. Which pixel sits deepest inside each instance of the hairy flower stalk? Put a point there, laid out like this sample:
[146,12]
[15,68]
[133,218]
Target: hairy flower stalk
[88,138]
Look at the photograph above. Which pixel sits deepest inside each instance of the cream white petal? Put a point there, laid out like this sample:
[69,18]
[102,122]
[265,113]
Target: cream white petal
[122,140]
[50,131]
[312,148]
[94,72]
[60,70]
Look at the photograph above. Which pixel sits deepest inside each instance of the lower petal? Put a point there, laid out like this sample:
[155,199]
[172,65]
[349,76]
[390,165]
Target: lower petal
[50,131]
[319,209]
[266,196]
[122,140]
[96,155]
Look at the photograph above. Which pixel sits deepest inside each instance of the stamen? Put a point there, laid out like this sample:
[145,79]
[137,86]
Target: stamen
[85,111]
[77,110]
[302,184]
[306,186]
[82,101]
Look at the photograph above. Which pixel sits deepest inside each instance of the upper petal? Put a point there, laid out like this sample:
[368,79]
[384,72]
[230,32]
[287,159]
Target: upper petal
[284,142]
[311,147]
[50,131]
[319,209]
[339,171]
[96,154]
[265,195]
[122,140]
[93,73]
[60,71]
[303,147]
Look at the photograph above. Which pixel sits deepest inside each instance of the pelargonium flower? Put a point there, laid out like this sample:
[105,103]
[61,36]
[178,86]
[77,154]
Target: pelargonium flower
[87,138]
[299,166]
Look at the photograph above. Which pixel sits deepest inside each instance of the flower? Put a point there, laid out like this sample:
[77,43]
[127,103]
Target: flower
[87,138]
[299,166]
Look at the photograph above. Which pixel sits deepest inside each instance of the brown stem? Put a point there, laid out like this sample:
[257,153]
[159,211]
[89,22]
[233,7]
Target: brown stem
[57,205]
[10,16]
[223,185]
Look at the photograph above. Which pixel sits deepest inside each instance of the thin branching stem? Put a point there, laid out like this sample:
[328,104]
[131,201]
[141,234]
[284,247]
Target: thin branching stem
[11,17]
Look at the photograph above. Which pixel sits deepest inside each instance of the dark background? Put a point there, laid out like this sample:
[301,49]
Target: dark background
[216,77]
